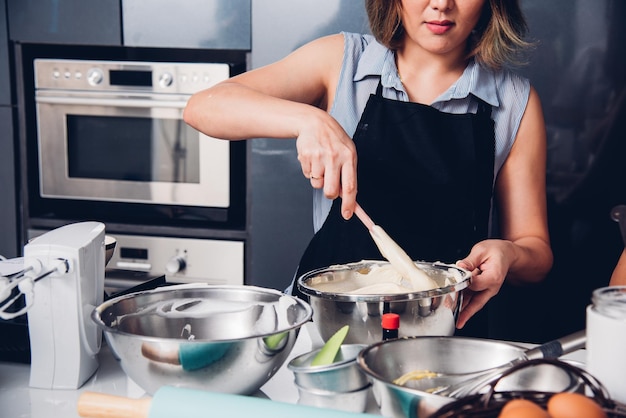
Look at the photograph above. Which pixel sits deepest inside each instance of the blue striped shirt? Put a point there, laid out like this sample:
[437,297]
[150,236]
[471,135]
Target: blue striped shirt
[365,62]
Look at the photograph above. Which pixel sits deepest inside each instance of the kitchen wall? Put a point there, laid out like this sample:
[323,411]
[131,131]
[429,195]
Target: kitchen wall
[575,69]
[579,69]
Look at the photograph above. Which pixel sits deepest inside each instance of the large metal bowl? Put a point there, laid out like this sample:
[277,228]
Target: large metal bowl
[334,295]
[228,339]
[386,361]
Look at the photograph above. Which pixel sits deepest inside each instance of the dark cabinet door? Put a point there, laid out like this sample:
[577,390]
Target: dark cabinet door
[5,81]
[206,24]
[8,208]
[79,22]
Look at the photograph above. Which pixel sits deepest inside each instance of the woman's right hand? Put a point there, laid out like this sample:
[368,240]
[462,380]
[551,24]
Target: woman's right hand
[328,159]
[288,99]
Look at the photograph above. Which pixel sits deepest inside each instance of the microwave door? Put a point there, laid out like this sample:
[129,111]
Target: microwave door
[121,152]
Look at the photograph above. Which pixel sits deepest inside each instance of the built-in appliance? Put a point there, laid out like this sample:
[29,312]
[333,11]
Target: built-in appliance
[112,131]
[104,140]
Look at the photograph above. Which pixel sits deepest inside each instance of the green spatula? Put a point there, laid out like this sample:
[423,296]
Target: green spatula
[328,353]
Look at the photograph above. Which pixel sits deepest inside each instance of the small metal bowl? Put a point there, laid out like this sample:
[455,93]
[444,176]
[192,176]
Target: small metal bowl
[336,301]
[353,401]
[228,339]
[109,246]
[344,375]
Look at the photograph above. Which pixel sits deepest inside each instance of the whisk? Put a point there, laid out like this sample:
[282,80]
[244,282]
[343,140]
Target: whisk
[13,286]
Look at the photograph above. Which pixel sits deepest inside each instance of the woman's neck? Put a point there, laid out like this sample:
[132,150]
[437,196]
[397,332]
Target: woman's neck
[426,76]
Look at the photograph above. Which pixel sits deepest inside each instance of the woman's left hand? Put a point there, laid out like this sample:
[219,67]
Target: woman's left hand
[489,261]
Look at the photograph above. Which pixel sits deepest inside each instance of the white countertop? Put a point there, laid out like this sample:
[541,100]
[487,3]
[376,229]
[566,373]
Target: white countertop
[18,400]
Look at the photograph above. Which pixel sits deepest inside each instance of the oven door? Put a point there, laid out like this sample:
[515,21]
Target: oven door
[127,148]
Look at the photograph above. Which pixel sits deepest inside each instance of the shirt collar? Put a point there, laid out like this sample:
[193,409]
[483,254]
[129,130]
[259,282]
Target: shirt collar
[378,60]
[477,81]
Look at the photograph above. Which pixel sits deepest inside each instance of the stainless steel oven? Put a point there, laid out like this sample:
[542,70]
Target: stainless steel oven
[113,131]
[104,140]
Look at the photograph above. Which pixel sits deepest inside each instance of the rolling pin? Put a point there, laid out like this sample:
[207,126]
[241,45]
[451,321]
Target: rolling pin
[170,401]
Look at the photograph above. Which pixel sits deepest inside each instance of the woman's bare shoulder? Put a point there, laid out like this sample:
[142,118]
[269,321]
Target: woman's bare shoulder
[324,50]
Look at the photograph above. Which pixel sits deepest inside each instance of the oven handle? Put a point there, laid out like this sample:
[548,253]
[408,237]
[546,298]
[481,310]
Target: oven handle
[112,102]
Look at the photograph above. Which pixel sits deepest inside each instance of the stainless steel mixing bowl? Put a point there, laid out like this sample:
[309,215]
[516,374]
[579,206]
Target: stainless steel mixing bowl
[340,385]
[431,312]
[109,246]
[228,339]
[343,375]
[386,361]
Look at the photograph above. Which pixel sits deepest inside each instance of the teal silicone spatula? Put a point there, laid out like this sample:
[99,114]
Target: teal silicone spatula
[190,355]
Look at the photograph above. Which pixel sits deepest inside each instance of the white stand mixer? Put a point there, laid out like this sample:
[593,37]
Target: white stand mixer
[64,340]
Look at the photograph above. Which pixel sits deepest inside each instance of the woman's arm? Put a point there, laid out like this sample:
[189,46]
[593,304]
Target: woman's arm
[523,254]
[288,99]
[273,101]
[618,278]
[521,192]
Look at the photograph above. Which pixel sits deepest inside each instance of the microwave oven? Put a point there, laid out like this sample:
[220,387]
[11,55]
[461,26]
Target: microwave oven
[106,140]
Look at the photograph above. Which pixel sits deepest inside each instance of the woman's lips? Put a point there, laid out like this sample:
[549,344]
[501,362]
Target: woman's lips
[439,27]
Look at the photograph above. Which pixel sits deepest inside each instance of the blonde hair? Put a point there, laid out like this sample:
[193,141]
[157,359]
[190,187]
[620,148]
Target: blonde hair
[497,39]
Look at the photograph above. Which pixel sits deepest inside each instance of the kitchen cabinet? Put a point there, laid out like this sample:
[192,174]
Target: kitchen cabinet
[5,77]
[8,209]
[78,22]
[206,24]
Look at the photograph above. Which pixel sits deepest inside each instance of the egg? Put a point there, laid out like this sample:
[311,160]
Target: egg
[574,405]
[522,408]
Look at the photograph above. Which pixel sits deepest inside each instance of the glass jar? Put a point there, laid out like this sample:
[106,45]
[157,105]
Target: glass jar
[606,339]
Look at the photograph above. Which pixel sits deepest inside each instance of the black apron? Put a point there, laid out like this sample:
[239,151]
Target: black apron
[424,176]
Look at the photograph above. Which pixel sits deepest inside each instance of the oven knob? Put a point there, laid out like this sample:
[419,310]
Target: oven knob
[94,76]
[176,264]
[166,80]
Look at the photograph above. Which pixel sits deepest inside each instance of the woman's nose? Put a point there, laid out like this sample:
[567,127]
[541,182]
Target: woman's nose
[442,5]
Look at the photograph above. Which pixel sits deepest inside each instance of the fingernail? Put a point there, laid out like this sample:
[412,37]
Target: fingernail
[347,214]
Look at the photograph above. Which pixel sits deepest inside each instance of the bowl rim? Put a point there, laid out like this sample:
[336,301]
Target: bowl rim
[308,369]
[332,393]
[386,297]
[377,378]
[110,242]
[97,311]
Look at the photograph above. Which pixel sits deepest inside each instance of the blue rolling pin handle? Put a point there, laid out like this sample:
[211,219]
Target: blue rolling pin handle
[171,401]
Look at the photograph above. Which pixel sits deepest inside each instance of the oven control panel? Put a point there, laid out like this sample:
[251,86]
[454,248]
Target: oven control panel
[180,260]
[153,77]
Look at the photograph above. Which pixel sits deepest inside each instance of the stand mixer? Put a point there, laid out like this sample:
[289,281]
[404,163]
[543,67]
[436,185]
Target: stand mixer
[66,267]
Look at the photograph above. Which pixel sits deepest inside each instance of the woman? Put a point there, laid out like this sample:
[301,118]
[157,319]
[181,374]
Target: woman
[421,112]
[618,277]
